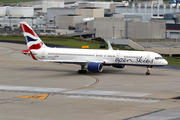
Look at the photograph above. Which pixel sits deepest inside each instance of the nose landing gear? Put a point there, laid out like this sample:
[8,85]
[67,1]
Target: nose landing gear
[148,70]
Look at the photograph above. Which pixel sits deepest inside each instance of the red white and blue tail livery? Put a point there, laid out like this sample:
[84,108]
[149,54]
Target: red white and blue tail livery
[32,40]
[89,59]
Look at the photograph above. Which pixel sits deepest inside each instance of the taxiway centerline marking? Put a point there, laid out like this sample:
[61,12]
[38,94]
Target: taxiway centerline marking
[96,81]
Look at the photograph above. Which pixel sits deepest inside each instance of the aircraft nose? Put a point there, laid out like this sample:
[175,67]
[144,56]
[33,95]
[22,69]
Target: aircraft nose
[165,62]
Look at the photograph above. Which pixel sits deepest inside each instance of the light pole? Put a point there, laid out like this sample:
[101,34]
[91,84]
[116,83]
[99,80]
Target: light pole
[113,31]
[121,33]
[32,21]
[166,35]
[10,21]
[126,31]
[54,23]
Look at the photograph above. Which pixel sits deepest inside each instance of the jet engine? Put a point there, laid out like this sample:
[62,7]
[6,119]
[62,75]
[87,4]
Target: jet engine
[119,66]
[95,67]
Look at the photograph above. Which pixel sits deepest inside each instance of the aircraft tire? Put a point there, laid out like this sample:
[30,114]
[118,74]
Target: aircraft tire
[82,71]
[147,73]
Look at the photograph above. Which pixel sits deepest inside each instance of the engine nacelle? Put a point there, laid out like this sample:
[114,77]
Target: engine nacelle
[119,66]
[95,67]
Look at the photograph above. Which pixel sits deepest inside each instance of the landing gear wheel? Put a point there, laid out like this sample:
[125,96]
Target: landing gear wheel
[147,73]
[148,70]
[82,71]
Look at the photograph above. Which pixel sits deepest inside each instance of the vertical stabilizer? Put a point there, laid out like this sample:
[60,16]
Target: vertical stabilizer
[32,40]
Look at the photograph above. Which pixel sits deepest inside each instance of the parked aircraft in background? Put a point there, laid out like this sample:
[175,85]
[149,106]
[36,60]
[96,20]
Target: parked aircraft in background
[174,3]
[89,59]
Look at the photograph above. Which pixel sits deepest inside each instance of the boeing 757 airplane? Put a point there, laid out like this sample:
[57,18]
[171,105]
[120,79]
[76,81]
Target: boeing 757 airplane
[89,59]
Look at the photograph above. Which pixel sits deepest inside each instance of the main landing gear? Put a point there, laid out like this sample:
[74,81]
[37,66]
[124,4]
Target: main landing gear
[148,70]
[82,71]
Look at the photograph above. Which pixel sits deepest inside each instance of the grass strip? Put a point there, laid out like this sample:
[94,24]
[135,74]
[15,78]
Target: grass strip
[172,60]
[69,42]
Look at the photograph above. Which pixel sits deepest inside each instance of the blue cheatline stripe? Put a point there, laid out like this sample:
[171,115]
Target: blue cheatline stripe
[29,39]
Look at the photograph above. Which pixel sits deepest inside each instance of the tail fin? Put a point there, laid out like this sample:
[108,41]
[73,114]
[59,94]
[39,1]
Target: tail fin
[32,40]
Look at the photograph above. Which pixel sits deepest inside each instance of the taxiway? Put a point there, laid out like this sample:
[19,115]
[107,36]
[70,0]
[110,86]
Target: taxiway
[114,94]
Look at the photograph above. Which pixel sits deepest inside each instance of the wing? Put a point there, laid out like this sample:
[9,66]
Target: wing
[74,61]
[69,61]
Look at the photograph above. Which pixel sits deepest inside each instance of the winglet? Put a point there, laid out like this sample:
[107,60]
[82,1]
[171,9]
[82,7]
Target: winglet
[109,46]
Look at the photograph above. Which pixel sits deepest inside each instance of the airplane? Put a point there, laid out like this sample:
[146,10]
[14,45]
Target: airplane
[89,59]
[174,1]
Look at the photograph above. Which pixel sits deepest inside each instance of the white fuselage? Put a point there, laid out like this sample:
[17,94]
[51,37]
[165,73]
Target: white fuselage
[89,59]
[107,57]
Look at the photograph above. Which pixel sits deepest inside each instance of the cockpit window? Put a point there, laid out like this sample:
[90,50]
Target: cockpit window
[157,58]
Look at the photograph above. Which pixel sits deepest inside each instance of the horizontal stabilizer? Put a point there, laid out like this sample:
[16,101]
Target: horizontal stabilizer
[25,51]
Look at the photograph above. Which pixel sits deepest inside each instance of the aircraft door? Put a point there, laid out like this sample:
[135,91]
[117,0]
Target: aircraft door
[149,59]
[118,55]
[43,54]
[96,55]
